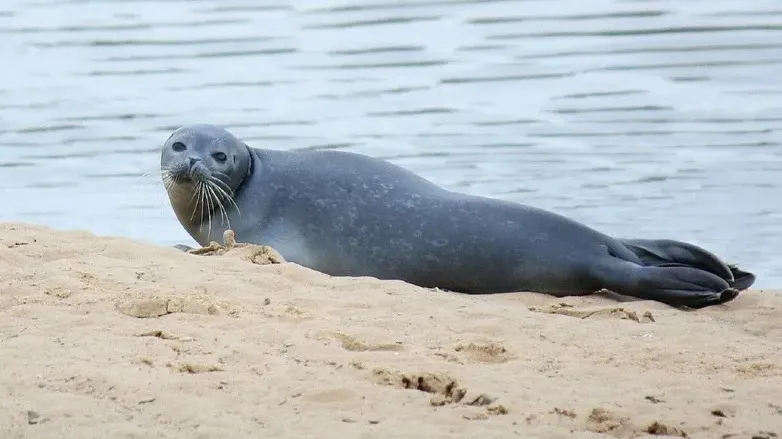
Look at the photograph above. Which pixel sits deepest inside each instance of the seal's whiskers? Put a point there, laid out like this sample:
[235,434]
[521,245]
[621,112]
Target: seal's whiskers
[193,198]
[168,180]
[209,207]
[227,194]
[219,202]
[198,197]
[204,209]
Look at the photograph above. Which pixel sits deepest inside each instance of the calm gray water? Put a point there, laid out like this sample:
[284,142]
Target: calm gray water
[640,118]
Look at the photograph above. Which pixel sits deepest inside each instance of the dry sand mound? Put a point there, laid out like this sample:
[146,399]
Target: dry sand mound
[111,338]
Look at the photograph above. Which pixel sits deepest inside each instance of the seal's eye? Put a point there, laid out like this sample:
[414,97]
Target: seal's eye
[178,146]
[220,157]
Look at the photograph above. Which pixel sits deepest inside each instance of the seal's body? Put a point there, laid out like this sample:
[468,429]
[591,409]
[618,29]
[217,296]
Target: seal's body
[346,214]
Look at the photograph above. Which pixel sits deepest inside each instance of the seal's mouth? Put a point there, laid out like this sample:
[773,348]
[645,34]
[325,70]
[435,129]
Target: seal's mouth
[188,173]
[179,174]
[199,172]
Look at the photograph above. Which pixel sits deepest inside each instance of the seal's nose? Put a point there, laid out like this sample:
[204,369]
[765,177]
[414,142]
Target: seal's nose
[194,169]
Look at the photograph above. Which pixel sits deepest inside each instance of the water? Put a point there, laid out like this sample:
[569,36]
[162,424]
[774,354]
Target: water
[640,118]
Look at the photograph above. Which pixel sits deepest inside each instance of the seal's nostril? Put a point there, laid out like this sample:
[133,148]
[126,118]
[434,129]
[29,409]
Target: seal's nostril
[193,160]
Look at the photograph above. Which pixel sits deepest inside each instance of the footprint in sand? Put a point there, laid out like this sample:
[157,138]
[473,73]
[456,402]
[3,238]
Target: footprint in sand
[606,422]
[487,353]
[152,307]
[444,389]
[351,343]
[617,313]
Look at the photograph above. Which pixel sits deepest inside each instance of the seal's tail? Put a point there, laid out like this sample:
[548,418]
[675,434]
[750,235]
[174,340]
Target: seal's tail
[670,283]
[671,253]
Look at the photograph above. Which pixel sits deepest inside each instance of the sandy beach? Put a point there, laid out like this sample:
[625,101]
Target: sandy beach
[113,338]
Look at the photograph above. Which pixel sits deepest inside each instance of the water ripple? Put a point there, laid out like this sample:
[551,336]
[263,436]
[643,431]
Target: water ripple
[576,17]
[151,42]
[372,23]
[120,27]
[637,33]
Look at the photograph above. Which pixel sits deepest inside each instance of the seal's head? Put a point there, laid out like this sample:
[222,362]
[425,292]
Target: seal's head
[202,166]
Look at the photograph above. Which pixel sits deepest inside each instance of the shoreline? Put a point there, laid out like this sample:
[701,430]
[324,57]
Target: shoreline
[107,336]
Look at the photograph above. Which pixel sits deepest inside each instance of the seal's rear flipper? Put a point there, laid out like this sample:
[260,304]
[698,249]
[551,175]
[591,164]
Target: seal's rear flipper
[675,285]
[742,279]
[670,253]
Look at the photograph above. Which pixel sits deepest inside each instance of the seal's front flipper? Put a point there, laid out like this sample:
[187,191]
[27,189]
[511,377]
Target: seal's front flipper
[670,253]
[675,285]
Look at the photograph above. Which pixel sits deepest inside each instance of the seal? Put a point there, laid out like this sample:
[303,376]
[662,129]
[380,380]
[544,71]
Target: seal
[347,214]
